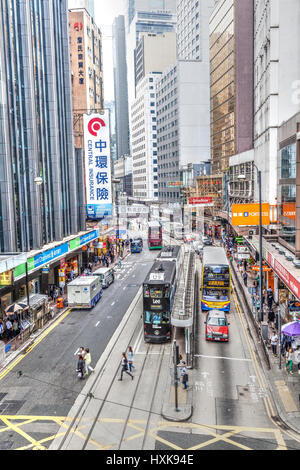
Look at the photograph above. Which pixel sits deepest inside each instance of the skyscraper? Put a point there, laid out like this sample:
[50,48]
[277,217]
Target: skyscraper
[38,190]
[120,86]
[133,6]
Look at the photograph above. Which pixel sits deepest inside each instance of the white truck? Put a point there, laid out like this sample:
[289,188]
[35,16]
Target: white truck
[84,292]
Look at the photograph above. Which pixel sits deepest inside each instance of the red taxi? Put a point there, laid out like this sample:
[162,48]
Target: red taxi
[216,326]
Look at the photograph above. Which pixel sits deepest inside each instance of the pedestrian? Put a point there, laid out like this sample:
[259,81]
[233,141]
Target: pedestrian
[274,341]
[245,277]
[8,326]
[270,297]
[297,358]
[15,328]
[82,351]
[130,359]
[88,360]
[257,304]
[184,376]
[1,330]
[271,318]
[80,367]
[289,360]
[124,365]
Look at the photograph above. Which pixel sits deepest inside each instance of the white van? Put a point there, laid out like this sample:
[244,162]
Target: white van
[84,292]
[106,275]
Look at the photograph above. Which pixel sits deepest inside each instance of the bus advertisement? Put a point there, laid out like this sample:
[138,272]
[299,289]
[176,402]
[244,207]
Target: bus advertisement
[216,280]
[155,236]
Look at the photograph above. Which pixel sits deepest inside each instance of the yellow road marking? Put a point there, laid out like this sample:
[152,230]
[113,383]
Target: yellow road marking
[10,367]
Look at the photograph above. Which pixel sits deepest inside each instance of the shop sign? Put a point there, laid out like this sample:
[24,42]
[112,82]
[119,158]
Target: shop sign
[239,240]
[46,269]
[294,306]
[264,268]
[6,278]
[243,255]
[290,281]
[248,214]
[242,249]
[201,201]
[97,165]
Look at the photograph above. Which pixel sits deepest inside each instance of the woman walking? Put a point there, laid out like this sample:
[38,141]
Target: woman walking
[124,365]
[130,359]
[88,360]
[289,360]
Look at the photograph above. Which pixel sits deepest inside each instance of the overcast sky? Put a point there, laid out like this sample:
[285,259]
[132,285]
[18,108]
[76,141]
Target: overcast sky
[105,12]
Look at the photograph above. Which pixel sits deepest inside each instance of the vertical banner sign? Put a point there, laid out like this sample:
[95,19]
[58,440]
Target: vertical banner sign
[97,165]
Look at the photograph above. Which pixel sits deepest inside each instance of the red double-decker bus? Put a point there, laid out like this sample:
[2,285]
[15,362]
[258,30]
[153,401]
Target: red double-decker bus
[155,241]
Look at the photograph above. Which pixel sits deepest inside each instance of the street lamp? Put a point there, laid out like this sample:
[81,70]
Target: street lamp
[243,177]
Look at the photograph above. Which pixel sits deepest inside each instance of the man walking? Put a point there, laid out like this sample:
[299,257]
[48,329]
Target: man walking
[270,298]
[245,277]
[274,341]
[124,365]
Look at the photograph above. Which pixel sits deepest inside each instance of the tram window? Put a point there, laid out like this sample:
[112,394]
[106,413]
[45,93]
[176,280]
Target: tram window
[146,291]
[166,292]
[156,318]
[156,293]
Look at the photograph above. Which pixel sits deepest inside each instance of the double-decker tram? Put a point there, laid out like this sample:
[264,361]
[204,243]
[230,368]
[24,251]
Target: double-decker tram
[173,253]
[158,297]
[216,280]
[155,241]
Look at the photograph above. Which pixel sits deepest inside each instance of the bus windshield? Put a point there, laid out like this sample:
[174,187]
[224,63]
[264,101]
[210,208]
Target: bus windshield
[212,295]
[157,318]
[216,272]
[154,233]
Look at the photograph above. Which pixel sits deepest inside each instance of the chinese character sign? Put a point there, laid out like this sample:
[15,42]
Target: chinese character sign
[97,165]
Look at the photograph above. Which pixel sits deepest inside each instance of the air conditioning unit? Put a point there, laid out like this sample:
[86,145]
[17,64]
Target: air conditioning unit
[251,233]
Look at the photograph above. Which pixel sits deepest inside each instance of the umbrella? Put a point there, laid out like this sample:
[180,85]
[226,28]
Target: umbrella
[291,329]
[12,309]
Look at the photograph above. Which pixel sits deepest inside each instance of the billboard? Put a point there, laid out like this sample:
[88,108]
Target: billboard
[97,165]
[201,201]
[248,214]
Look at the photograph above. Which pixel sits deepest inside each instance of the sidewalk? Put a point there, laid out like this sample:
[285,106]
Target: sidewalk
[56,313]
[285,388]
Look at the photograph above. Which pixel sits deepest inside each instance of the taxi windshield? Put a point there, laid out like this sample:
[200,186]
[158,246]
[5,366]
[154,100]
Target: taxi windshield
[216,321]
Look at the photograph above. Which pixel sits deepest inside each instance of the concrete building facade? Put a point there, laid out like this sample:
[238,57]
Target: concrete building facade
[144,140]
[87,68]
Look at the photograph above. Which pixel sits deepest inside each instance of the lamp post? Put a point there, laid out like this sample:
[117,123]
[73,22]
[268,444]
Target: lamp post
[117,181]
[243,177]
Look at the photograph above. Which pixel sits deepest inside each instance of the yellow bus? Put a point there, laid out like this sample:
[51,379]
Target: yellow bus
[216,280]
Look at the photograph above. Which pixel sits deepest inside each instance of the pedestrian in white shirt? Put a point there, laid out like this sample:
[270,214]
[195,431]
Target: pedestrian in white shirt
[297,358]
[274,341]
[88,361]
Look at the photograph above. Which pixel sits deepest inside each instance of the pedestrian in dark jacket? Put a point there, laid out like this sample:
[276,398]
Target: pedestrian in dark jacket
[270,297]
[124,365]
[81,367]
[245,277]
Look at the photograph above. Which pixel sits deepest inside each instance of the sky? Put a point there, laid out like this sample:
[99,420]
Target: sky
[105,12]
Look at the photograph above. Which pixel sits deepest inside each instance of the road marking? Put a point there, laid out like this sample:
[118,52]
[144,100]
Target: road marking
[113,304]
[98,323]
[221,357]
[76,352]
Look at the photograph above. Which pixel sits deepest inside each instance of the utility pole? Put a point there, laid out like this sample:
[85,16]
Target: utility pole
[175,362]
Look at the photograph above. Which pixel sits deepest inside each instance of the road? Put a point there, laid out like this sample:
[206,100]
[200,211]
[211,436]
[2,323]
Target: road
[44,382]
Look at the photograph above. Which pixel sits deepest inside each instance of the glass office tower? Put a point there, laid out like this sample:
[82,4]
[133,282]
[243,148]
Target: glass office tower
[38,175]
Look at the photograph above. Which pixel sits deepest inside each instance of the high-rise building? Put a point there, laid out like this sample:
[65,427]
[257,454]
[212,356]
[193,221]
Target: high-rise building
[88,5]
[144,22]
[182,126]
[132,6]
[193,29]
[39,190]
[154,54]
[120,87]
[231,81]
[144,140]
[87,68]
[276,85]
